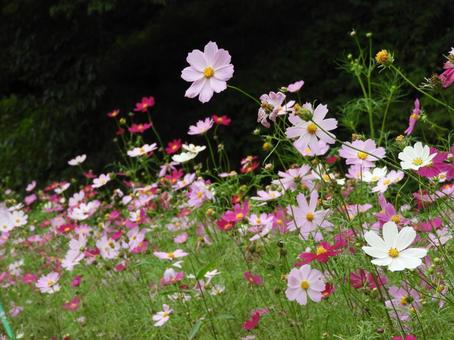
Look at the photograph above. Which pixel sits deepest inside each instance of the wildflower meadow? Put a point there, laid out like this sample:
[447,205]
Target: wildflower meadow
[312,236]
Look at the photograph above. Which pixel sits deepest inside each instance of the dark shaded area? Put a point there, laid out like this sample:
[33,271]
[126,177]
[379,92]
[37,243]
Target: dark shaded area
[65,64]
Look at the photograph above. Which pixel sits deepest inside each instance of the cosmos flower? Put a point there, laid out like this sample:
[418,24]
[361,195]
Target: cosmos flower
[273,105]
[304,282]
[415,157]
[221,120]
[413,117]
[363,153]
[309,133]
[170,255]
[201,127]
[49,283]
[160,318]
[296,86]
[139,128]
[143,150]
[391,251]
[145,104]
[102,180]
[208,71]
[173,147]
[77,160]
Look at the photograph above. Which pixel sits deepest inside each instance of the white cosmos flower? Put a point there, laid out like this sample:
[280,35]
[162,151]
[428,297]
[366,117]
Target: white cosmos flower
[392,250]
[184,157]
[415,157]
[143,150]
[101,181]
[194,148]
[77,160]
[374,175]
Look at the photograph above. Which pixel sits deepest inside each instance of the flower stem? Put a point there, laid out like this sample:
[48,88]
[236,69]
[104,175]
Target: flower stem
[244,93]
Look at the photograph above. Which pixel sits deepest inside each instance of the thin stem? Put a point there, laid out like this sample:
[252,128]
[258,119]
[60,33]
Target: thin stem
[244,93]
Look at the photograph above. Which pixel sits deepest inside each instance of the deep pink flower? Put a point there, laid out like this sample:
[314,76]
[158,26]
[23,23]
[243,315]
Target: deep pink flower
[364,279]
[208,71]
[29,278]
[225,225]
[253,322]
[388,213]
[238,213]
[72,305]
[413,117]
[437,165]
[139,128]
[447,77]
[407,337]
[173,146]
[322,254]
[249,164]
[221,120]
[253,279]
[76,281]
[145,104]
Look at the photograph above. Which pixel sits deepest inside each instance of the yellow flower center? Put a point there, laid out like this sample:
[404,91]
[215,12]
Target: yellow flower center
[239,216]
[414,116]
[199,194]
[393,252]
[165,314]
[310,217]
[382,57]
[417,161]
[304,285]
[404,301]
[362,155]
[386,181]
[50,283]
[311,128]
[320,250]
[395,219]
[171,255]
[208,72]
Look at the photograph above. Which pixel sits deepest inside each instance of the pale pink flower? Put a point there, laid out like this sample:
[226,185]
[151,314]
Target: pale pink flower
[363,153]
[101,181]
[160,318]
[413,117]
[293,178]
[273,105]
[49,283]
[143,150]
[209,72]
[296,86]
[303,282]
[170,255]
[201,127]
[309,133]
[263,195]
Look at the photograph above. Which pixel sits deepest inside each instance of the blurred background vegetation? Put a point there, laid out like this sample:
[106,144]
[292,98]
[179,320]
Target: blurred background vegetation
[66,63]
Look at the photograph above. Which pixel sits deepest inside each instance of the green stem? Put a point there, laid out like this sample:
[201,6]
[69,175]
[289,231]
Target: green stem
[244,93]
[382,130]
[399,72]
[6,324]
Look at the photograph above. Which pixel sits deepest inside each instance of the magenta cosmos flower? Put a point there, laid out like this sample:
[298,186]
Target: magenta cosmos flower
[363,153]
[308,133]
[208,71]
[304,282]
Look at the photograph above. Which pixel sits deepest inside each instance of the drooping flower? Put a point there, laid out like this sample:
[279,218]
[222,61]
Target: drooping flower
[201,127]
[363,279]
[415,157]
[77,160]
[447,77]
[308,133]
[391,251]
[404,301]
[363,153]
[273,105]
[49,283]
[145,104]
[160,318]
[413,117]
[304,282]
[209,72]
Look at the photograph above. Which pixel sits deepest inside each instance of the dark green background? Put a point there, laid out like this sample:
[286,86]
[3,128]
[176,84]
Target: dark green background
[64,64]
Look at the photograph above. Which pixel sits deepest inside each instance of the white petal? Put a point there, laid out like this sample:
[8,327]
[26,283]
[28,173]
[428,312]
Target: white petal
[397,264]
[374,240]
[382,262]
[414,252]
[375,252]
[390,234]
[405,238]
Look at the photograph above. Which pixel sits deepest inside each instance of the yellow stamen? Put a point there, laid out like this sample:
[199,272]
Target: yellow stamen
[393,252]
[208,72]
[310,217]
[311,128]
[417,161]
[320,250]
[304,284]
[395,219]
[362,155]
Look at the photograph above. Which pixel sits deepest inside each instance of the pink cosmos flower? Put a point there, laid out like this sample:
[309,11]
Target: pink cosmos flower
[145,104]
[252,323]
[273,105]
[296,86]
[238,213]
[72,305]
[209,72]
[304,282]
[29,278]
[322,254]
[49,283]
[388,213]
[413,117]
[181,238]
[437,165]
[307,151]
[308,133]
[364,279]
[407,337]
[173,146]
[263,195]
[171,277]
[305,217]
[363,153]
[447,77]
[253,279]
[221,120]
[113,113]
[170,255]
[160,318]
[139,128]
[30,186]
[76,281]
[294,178]
[201,127]
[404,301]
